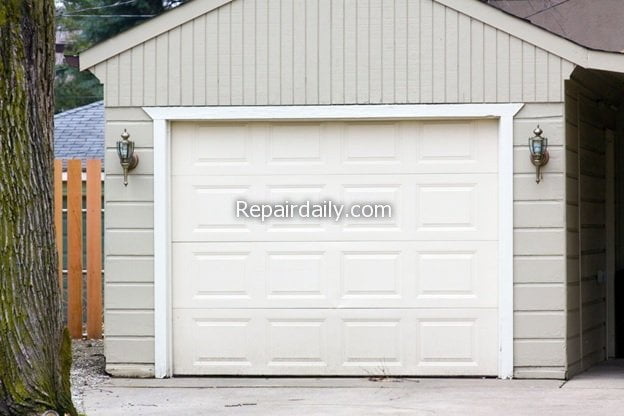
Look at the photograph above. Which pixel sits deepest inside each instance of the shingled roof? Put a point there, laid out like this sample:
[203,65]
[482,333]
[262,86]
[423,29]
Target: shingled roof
[79,133]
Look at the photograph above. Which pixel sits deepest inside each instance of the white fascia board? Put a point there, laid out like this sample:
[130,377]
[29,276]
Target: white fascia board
[148,30]
[606,61]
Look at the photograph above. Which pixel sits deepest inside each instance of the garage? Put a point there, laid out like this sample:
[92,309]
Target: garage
[493,262]
[414,294]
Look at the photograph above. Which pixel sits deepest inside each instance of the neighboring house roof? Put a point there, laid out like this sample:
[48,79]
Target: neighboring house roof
[79,133]
[595,24]
[520,28]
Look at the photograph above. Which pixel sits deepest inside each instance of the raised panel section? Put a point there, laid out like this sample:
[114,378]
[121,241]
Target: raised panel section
[444,341]
[210,148]
[450,206]
[296,274]
[446,274]
[212,270]
[366,143]
[229,342]
[372,343]
[298,343]
[371,274]
[447,142]
[295,143]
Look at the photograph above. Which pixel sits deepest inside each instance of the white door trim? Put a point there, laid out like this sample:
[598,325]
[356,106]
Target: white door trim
[162,117]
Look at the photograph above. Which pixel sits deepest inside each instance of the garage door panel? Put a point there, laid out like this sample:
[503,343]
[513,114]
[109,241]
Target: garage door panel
[349,147]
[335,275]
[339,342]
[412,294]
[423,207]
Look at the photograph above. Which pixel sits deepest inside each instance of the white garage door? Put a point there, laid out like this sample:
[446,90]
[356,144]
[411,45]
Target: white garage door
[415,294]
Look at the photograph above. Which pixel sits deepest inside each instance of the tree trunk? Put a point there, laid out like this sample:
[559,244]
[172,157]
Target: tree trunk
[35,350]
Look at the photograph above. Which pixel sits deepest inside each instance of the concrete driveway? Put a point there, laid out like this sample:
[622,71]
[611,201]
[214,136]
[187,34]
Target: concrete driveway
[597,392]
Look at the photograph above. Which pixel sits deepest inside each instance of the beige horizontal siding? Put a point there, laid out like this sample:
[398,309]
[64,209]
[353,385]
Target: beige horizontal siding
[130,323]
[138,350]
[539,248]
[537,353]
[125,268]
[281,52]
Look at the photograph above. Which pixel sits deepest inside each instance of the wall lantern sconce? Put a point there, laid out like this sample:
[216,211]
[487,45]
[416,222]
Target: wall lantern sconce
[127,158]
[538,146]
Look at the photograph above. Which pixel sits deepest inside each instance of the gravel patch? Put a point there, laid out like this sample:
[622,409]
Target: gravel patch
[88,369]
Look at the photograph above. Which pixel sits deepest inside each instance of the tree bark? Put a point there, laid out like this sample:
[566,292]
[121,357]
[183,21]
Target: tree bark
[35,350]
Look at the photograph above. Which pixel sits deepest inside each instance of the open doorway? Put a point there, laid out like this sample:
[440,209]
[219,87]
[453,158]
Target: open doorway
[595,217]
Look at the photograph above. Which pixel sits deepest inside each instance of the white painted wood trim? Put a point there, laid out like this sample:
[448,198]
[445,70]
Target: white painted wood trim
[505,246]
[162,254]
[336,112]
[162,116]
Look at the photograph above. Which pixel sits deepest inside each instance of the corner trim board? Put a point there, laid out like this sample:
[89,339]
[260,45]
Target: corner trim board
[163,116]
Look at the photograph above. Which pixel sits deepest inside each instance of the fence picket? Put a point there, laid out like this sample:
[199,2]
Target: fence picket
[58,216]
[94,249]
[74,246]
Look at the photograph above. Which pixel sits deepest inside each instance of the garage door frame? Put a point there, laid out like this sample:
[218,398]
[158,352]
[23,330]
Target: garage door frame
[163,116]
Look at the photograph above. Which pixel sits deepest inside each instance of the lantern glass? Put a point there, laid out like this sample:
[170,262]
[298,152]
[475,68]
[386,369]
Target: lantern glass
[538,145]
[124,150]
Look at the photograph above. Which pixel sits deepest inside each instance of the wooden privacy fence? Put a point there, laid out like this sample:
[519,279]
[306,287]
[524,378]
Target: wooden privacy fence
[80,247]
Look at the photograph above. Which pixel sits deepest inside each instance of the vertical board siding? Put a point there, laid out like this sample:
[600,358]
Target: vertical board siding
[350,52]
[224,55]
[362,50]
[400,51]
[187,62]
[425,27]
[324,52]
[312,51]
[212,67]
[274,52]
[236,53]
[337,52]
[137,73]
[389,49]
[174,80]
[261,62]
[249,52]
[299,52]
[162,72]
[281,52]
[376,51]
[439,53]
[199,60]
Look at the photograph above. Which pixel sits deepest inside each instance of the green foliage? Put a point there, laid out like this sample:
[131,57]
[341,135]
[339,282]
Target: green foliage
[90,22]
[73,88]
[98,20]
